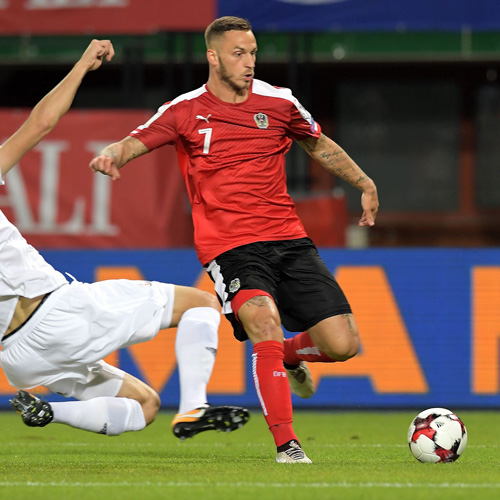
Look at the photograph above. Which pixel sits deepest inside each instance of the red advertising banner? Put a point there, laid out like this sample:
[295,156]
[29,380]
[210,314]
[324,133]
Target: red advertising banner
[56,201]
[93,17]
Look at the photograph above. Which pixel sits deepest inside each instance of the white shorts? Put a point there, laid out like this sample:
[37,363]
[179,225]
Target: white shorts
[63,343]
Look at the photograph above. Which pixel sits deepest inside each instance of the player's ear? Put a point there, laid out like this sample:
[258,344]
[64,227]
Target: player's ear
[212,57]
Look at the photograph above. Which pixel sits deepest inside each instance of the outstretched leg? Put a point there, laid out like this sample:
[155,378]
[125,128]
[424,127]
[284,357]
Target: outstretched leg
[196,314]
[132,408]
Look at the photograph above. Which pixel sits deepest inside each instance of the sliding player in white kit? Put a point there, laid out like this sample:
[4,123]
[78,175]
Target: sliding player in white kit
[56,334]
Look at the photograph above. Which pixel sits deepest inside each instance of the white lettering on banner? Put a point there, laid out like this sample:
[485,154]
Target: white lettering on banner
[16,197]
[73,4]
[101,208]
[49,187]
[4,4]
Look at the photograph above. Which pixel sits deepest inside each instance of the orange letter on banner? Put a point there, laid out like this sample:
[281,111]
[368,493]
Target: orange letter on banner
[485,330]
[387,357]
[156,358]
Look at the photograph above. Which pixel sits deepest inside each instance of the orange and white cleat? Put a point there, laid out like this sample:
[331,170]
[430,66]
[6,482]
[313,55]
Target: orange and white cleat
[210,418]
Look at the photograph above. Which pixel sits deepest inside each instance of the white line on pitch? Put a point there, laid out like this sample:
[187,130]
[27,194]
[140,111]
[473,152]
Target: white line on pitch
[172,484]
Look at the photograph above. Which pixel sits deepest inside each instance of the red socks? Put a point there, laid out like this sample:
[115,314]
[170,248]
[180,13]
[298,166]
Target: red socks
[271,381]
[301,348]
[273,389]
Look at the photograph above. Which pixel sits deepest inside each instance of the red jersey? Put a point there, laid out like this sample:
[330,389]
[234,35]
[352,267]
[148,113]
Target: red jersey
[232,157]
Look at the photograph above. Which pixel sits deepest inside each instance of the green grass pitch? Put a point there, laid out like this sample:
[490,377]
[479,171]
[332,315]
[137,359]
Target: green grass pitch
[356,455]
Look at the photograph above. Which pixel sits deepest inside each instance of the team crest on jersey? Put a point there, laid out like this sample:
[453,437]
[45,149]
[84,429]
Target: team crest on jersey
[261,120]
[234,285]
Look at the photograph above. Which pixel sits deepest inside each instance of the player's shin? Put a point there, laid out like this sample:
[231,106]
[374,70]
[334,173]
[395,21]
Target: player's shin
[271,384]
[195,349]
[103,415]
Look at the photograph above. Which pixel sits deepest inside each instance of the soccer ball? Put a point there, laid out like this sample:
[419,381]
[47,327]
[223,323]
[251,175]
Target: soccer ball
[437,435]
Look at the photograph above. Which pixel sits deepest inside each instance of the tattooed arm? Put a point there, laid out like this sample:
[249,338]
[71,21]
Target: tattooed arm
[334,159]
[116,155]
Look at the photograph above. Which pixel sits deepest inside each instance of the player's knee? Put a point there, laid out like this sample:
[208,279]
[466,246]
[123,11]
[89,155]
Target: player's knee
[346,349]
[342,346]
[260,318]
[192,298]
[260,327]
[150,403]
[209,300]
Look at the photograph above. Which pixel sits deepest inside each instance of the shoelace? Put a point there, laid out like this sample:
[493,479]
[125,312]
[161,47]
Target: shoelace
[295,452]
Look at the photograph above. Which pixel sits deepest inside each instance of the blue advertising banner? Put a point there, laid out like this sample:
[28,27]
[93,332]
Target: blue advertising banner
[365,15]
[429,322]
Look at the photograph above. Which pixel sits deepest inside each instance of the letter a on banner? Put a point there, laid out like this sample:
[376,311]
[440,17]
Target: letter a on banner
[387,357]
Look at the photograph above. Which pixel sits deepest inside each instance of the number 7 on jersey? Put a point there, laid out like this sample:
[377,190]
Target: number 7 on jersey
[208,136]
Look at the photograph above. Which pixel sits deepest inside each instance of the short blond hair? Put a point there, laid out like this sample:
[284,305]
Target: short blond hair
[223,24]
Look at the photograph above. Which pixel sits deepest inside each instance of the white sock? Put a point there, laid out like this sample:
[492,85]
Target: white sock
[104,415]
[195,348]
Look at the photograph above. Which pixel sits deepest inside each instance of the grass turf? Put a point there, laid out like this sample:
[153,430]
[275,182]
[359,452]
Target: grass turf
[356,455]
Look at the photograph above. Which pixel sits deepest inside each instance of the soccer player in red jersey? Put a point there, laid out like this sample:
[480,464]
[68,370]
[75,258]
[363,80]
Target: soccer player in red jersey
[231,137]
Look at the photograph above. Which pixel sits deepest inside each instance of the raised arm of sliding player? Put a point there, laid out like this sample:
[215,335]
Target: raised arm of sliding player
[53,106]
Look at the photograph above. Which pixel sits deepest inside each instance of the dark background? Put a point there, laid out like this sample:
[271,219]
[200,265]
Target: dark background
[421,120]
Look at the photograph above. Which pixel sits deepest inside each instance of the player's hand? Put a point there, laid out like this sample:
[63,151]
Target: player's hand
[96,52]
[106,165]
[369,202]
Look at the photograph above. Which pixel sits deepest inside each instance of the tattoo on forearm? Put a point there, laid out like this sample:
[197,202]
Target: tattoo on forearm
[135,153]
[334,159]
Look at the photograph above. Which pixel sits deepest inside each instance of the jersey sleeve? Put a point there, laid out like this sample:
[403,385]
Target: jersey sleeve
[159,130]
[302,124]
